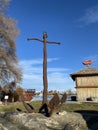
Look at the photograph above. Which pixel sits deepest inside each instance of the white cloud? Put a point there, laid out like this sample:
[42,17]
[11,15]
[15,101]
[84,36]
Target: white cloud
[52,59]
[58,78]
[36,62]
[57,69]
[31,62]
[90,16]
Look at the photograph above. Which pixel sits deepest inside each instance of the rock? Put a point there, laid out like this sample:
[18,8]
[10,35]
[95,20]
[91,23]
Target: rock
[37,121]
[71,121]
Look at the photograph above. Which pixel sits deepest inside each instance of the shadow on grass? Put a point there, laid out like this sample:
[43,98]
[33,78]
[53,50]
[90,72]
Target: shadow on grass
[91,118]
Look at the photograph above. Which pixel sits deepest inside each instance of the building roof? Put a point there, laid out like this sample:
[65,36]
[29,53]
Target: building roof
[88,71]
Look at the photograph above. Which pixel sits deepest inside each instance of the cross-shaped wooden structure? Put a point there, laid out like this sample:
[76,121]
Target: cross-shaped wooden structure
[45,81]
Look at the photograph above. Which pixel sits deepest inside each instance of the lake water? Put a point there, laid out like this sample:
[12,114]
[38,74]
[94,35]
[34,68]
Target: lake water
[40,98]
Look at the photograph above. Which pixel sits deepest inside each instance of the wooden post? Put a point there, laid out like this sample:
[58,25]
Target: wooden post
[45,80]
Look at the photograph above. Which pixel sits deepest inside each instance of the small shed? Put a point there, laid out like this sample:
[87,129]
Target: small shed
[86,84]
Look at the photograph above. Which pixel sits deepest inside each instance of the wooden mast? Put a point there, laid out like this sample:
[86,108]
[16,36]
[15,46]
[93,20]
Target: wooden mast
[45,80]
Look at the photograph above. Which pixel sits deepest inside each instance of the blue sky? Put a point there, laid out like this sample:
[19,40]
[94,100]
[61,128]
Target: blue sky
[74,23]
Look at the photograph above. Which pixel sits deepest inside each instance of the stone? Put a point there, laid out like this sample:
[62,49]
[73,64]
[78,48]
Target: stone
[36,121]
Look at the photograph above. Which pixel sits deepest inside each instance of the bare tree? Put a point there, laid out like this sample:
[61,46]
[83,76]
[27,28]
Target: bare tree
[9,68]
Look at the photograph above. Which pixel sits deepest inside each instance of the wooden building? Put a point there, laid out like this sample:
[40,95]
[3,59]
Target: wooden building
[86,84]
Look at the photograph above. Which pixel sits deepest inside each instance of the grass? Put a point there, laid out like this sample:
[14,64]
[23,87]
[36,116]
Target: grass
[36,104]
[79,107]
